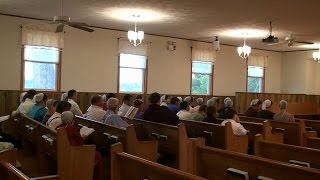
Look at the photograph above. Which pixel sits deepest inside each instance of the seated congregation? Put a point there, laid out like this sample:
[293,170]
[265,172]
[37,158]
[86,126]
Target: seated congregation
[160,118]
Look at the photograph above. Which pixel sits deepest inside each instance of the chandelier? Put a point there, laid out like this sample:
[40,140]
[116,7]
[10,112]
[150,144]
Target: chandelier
[316,56]
[245,50]
[135,35]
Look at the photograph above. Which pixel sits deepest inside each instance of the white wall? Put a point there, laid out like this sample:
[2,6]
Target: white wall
[90,63]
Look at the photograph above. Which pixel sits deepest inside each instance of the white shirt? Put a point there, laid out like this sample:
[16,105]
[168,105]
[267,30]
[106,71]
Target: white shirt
[196,109]
[54,121]
[95,113]
[24,107]
[191,109]
[123,110]
[75,108]
[237,128]
[184,115]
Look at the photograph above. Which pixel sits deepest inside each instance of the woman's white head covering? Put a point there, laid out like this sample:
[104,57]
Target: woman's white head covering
[180,98]
[228,103]
[254,102]
[22,96]
[266,104]
[104,97]
[163,98]
[199,101]
[211,103]
[188,99]
[38,97]
[225,100]
[67,117]
[64,96]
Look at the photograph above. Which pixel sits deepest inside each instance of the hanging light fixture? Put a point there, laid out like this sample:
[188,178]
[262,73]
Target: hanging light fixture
[135,35]
[316,56]
[245,50]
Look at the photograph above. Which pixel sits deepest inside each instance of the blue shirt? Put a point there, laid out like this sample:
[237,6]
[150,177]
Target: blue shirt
[139,115]
[111,118]
[174,108]
[38,112]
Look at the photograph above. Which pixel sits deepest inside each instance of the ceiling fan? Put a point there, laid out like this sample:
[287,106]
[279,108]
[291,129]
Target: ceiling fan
[292,40]
[62,21]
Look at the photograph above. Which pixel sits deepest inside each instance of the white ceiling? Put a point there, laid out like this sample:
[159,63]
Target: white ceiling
[190,19]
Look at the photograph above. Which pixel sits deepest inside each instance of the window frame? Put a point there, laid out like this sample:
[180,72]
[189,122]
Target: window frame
[58,71]
[262,78]
[210,79]
[145,76]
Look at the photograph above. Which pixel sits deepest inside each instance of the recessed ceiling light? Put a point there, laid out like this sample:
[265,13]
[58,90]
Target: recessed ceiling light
[127,14]
[248,33]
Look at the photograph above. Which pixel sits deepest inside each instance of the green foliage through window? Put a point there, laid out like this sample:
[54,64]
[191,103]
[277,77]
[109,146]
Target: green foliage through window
[201,77]
[255,79]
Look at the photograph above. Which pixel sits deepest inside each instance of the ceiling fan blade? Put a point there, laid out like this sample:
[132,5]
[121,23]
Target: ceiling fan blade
[271,44]
[80,27]
[60,28]
[79,23]
[303,42]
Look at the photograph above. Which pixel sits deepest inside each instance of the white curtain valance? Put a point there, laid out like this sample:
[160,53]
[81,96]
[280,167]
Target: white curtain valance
[127,48]
[42,36]
[261,61]
[203,54]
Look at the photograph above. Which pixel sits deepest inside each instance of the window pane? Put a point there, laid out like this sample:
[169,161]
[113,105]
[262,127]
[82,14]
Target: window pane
[41,54]
[134,61]
[40,76]
[201,67]
[200,84]
[131,80]
[254,84]
[255,71]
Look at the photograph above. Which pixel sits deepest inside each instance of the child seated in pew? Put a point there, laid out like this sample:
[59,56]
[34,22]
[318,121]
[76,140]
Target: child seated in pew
[237,128]
[75,139]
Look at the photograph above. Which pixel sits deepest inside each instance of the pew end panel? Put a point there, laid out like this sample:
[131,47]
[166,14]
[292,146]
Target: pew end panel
[9,172]
[9,156]
[144,149]
[235,143]
[313,142]
[74,162]
[144,169]
[270,134]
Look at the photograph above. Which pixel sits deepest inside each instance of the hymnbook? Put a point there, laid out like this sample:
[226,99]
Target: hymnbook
[131,113]
[85,131]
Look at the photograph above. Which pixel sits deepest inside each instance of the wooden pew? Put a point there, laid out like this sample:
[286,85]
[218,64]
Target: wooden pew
[217,136]
[285,153]
[212,163]
[105,135]
[9,156]
[173,140]
[137,168]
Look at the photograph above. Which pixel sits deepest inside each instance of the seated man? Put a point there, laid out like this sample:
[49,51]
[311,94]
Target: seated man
[174,105]
[138,104]
[55,120]
[75,139]
[111,117]
[26,104]
[72,97]
[237,128]
[184,113]
[282,115]
[126,104]
[51,106]
[95,111]
[255,106]
[211,115]
[159,114]
[39,110]
[265,113]
[200,114]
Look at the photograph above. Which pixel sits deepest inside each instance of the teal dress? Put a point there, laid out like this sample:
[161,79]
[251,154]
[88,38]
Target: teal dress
[38,112]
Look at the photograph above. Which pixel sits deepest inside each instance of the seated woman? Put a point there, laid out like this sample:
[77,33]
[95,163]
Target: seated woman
[184,113]
[265,113]
[75,139]
[283,115]
[39,110]
[255,106]
[237,128]
[211,115]
[200,114]
[51,106]
[228,104]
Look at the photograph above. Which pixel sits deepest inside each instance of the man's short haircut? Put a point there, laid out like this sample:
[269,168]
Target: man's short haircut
[203,108]
[30,94]
[95,99]
[184,105]
[127,97]
[71,93]
[154,98]
[174,100]
[112,103]
[211,111]
[111,95]
[63,106]
[139,96]
[230,113]
[283,104]
[137,103]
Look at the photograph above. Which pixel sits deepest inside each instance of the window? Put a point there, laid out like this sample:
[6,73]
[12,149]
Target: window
[41,68]
[132,72]
[255,79]
[201,77]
